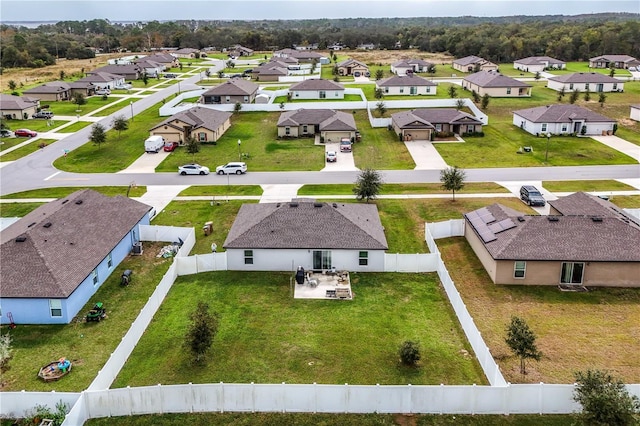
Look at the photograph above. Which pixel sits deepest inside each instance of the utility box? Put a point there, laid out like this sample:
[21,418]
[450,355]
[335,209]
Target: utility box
[208,228]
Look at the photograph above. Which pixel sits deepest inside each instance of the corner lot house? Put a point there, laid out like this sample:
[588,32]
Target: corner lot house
[586,241]
[314,235]
[613,61]
[473,64]
[406,85]
[61,90]
[56,257]
[230,92]
[420,124]
[103,80]
[635,112]
[317,89]
[562,120]
[353,67]
[538,64]
[18,107]
[204,124]
[409,66]
[329,124]
[583,81]
[496,85]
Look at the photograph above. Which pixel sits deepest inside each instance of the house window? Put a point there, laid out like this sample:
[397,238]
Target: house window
[543,128]
[428,89]
[246,99]
[287,130]
[438,127]
[363,258]
[413,90]
[297,94]
[565,127]
[386,90]
[94,276]
[109,261]
[519,268]
[227,98]
[572,272]
[248,257]
[323,94]
[586,86]
[202,137]
[508,90]
[321,259]
[615,86]
[304,128]
[402,90]
[55,307]
[570,86]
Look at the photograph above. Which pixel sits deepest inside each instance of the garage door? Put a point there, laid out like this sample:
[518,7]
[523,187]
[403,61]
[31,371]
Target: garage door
[417,134]
[336,136]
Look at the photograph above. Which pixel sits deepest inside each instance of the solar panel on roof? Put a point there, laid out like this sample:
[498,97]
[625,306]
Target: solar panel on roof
[503,225]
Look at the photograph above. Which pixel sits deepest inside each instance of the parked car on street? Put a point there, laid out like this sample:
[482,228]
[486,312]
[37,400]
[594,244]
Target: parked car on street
[43,114]
[193,169]
[125,86]
[170,146]
[25,133]
[530,195]
[104,91]
[332,156]
[6,133]
[170,75]
[236,167]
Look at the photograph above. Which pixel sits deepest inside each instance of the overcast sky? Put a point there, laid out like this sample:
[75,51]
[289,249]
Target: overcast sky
[162,10]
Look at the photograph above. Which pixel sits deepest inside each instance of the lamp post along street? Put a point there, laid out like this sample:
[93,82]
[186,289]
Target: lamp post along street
[239,154]
[131,105]
[546,153]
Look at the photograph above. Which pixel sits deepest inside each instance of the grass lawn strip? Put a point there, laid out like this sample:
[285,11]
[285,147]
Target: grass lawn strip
[60,192]
[392,189]
[217,190]
[23,151]
[586,186]
[17,209]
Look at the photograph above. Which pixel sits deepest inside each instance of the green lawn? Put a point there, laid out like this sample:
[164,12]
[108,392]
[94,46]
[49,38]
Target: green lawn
[118,104]
[6,143]
[347,98]
[69,108]
[586,186]
[79,125]
[256,344]
[573,67]
[391,188]
[37,125]
[17,209]
[64,191]
[27,149]
[222,190]
[380,148]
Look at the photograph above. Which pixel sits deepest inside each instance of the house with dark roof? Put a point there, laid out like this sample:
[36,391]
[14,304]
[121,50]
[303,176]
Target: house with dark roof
[635,112]
[164,58]
[18,107]
[538,64]
[331,125]
[61,90]
[613,61]
[410,66]
[186,53]
[103,80]
[55,258]
[473,64]
[275,236]
[562,119]
[353,67]
[150,67]
[271,71]
[239,50]
[585,241]
[130,71]
[204,124]
[585,81]
[317,88]
[407,85]
[231,91]
[301,55]
[496,85]
[421,124]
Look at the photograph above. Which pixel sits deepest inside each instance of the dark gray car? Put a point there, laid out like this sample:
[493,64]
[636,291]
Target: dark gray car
[530,195]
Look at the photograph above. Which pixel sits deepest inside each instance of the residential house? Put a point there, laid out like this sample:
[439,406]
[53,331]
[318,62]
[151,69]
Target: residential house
[496,85]
[406,85]
[60,90]
[410,66]
[331,125]
[317,89]
[562,119]
[203,124]
[366,46]
[275,236]
[230,92]
[103,80]
[310,46]
[536,64]
[635,112]
[422,124]
[18,107]
[271,71]
[186,53]
[613,61]
[336,47]
[239,50]
[473,64]
[150,67]
[128,71]
[302,56]
[167,59]
[585,241]
[55,258]
[353,67]
[583,81]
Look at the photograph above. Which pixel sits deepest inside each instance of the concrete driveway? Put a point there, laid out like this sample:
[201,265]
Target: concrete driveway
[146,163]
[345,161]
[514,188]
[425,155]
[619,144]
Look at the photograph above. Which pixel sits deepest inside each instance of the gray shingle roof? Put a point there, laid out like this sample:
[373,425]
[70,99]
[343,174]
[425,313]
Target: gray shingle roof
[613,58]
[50,87]
[408,63]
[327,119]
[16,102]
[101,77]
[573,237]
[539,60]
[426,117]
[561,114]
[468,60]
[310,225]
[54,260]
[585,77]
[351,63]
[233,87]
[199,117]
[404,81]
[119,69]
[316,84]
[493,79]
[163,58]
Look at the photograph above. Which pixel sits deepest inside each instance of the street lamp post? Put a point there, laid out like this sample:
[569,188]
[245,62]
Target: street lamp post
[239,155]
[179,87]
[546,153]
[131,105]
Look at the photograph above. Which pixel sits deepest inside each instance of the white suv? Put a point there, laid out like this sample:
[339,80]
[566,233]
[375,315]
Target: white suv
[236,167]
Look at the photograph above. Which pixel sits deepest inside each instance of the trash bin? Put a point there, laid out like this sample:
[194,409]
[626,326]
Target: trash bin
[126,277]
[208,228]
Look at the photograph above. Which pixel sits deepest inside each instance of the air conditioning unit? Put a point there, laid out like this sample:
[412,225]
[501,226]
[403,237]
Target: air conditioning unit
[137,248]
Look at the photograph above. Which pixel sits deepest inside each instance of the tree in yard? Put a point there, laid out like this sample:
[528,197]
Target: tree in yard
[605,400]
[574,96]
[180,65]
[379,73]
[12,85]
[334,57]
[335,70]
[409,352]
[314,64]
[145,78]
[62,74]
[601,98]
[98,134]
[237,107]
[231,64]
[202,331]
[561,94]
[79,99]
[431,69]
[220,73]
[587,95]
[120,123]
[522,342]
[193,146]
[381,108]
[484,102]
[452,180]
[452,91]
[612,72]
[537,76]
[475,96]
[459,104]
[378,93]
[207,73]
[368,185]
[281,106]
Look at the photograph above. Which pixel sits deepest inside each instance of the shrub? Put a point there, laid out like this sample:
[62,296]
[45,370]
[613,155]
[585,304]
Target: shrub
[409,352]
[473,134]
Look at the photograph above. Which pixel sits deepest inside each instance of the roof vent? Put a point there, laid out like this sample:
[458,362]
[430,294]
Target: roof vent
[21,239]
[31,224]
[335,205]
[520,218]
[79,202]
[317,204]
[47,225]
[596,219]
[293,204]
[278,205]
[552,218]
[65,201]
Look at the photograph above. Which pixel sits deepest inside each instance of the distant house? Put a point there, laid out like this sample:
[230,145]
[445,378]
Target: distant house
[409,66]
[203,124]
[103,80]
[151,68]
[420,124]
[583,81]
[406,85]
[239,50]
[166,59]
[613,61]
[55,258]
[585,241]
[635,112]
[128,71]
[274,236]
[366,46]
[186,53]
[353,67]
[60,90]
[562,119]
[230,92]
[494,84]
[329,124]
[302,56]
[317,89]
[18,107]
[272,71]
[473,64]
[538,64]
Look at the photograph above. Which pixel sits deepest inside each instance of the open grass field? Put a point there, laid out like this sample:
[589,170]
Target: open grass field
[266,336]
[64,191]
[30,148]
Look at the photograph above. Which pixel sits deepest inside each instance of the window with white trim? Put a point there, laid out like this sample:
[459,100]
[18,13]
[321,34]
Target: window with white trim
[570,86]
[572,273]
[248,257]
[586,86]
[109,261]
[363,258]
[94,276]
[543,128]
[615,86]
[202,137]
[519,268]
[55,307]
[508,90]
[287,130]
[565,127]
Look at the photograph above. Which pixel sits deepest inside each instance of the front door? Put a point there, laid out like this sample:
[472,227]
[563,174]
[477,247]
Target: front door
[599,87]
[321,259]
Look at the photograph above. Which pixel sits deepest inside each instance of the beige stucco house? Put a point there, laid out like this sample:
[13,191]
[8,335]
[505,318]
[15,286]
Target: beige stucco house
[613,61]
[18,107]
[420,124]
[331,125]
[473,63]
[60,90]
[496,85]
[204,124]
[353,67]
[232,91]
[406,85]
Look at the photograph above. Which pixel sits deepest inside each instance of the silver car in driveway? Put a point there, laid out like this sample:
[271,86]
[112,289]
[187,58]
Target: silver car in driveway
[193,169]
